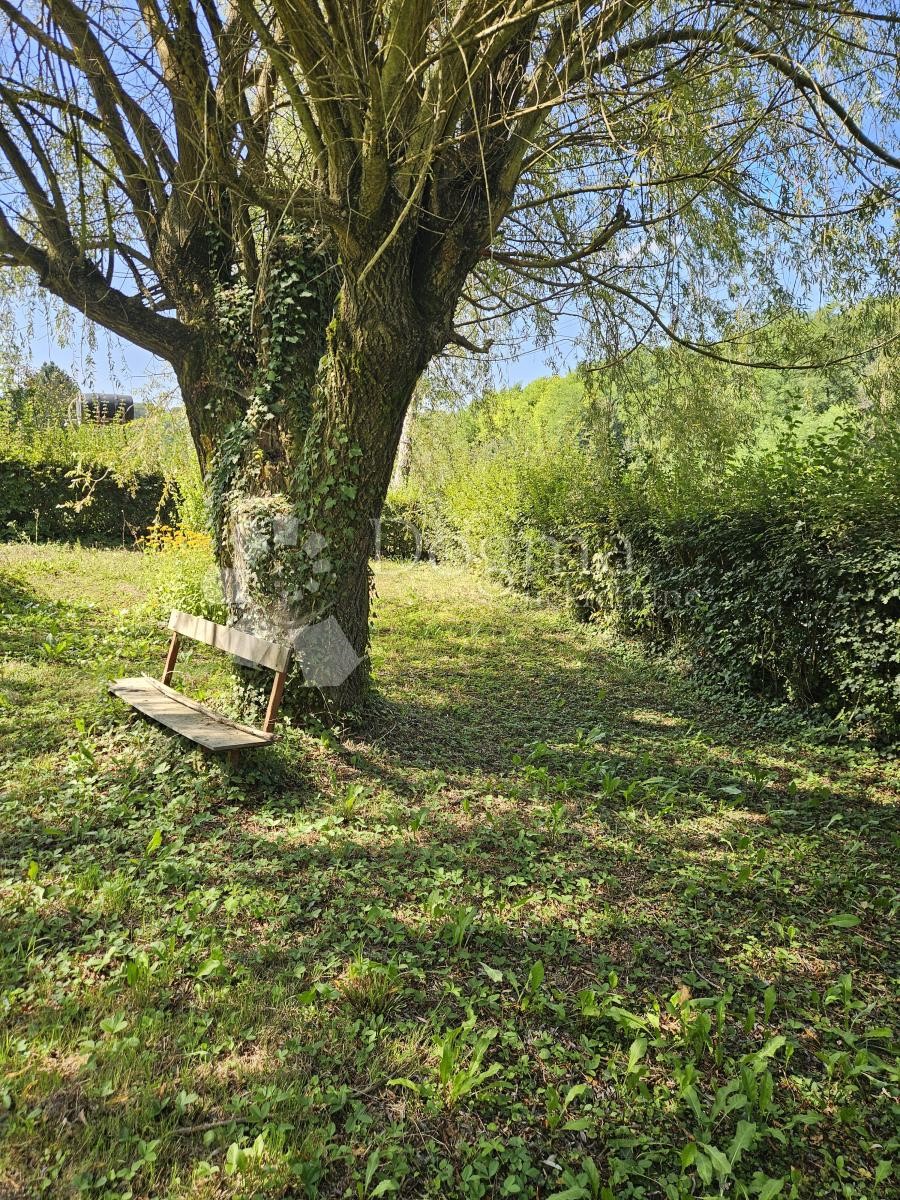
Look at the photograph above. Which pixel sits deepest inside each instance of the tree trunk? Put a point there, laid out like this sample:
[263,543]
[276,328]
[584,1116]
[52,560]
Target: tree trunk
[297,446]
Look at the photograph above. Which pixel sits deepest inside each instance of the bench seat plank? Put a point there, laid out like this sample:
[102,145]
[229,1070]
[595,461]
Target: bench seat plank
[186,716]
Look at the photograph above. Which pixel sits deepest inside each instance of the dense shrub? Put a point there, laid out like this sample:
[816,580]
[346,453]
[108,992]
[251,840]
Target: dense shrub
[777,572]
[789,585]
[521,518]
[49,501]
[764,603]
[401,530]
[158,445]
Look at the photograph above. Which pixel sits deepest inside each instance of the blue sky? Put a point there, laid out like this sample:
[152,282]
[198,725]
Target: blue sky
[113,365]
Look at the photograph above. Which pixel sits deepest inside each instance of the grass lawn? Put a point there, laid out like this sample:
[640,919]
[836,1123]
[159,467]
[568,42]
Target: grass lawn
[546,923]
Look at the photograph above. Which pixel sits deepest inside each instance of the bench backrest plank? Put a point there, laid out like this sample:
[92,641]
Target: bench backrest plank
[233,641]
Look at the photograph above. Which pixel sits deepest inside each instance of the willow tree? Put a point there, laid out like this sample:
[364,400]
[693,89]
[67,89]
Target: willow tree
[292,201]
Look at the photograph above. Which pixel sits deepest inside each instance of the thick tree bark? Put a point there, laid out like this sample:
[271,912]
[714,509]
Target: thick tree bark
[296,415]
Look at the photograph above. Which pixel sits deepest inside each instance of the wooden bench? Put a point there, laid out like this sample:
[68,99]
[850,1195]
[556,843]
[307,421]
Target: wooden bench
[154,698]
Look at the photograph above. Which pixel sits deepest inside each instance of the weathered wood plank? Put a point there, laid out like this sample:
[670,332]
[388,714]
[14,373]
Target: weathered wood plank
[232,641]
[186,716]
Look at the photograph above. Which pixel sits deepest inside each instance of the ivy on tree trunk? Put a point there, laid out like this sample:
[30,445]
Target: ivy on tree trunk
[296,396]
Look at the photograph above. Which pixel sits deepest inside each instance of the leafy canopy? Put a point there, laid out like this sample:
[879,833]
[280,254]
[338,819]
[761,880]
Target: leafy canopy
[650,166]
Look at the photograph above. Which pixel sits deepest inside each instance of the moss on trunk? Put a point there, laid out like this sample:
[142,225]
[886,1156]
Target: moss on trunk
[296,396]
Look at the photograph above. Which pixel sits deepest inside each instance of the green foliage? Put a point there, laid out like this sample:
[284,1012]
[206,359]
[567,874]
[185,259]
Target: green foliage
[790,584]
[509,514]
[747,520]
[839,475]
[41,501]
[44,399]
[763,603]
[184,574]
[119,459]
[401,531]
[486,481]
[268,347]
[552,924]
[677,421]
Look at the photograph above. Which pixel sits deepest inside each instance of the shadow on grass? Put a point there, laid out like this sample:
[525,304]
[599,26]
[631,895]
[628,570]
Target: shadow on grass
[585,901]
[190,931]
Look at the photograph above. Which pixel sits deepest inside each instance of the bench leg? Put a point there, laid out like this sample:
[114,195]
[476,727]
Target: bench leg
[171,658]
[234,757]
[274,700]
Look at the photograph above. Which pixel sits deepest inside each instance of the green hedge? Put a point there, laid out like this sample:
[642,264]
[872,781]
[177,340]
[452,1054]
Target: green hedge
[773,601]
[769,605]
[766,603]
[46,502]
[777,572]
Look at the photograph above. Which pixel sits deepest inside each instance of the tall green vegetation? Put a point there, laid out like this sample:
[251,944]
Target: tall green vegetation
[749,517]
[38,431]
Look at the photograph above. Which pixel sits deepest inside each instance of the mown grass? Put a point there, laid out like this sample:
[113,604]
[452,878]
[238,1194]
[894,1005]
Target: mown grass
[546,922]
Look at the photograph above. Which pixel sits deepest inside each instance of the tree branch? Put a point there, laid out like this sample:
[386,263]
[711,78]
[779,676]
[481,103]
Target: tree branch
[455,338]
[78,281]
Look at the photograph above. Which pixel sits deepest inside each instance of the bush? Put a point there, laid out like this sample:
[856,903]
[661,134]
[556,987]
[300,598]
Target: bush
[401,531]
[790,586]
[36,432]
[521,518]
[780,575]
[764,604]
[53,502]
[184,574]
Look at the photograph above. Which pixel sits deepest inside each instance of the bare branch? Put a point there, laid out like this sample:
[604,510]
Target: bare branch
[78,282]
[455,338]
